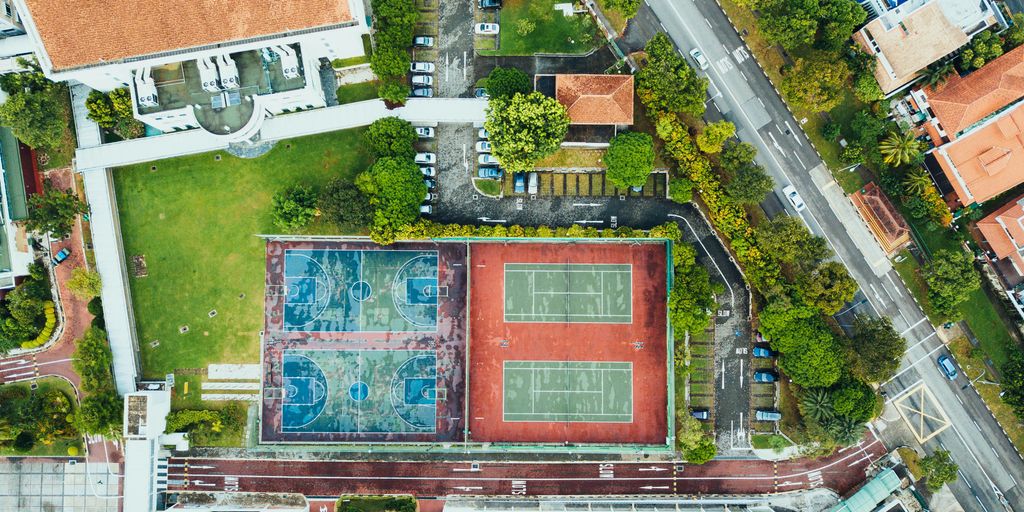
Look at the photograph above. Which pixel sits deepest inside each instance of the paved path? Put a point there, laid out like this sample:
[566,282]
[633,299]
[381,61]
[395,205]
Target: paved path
[842,472]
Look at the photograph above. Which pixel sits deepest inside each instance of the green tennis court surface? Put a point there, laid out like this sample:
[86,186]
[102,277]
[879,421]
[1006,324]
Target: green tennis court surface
[569,292]
[568,391]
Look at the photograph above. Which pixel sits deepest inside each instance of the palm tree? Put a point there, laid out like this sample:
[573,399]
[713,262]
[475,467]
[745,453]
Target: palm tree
[845,431]
[817,404]
[917,181]
[899,148]
[937,74]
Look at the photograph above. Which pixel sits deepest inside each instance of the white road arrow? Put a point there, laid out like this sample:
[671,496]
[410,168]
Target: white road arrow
[652,468]
[653,487]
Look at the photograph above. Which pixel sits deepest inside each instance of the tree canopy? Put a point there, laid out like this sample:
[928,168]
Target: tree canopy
[951,278]
[294,207]
[391,136]
[828,287]
[35,118]
[54,212]
[630,159]
[750,185]
[939,469]
[525,128]
[826,24]
[667,84]
[507,82]
[342,203]
[396,189]
[815,83]
[875,348]
[84,283]
[788,240]
[714,136]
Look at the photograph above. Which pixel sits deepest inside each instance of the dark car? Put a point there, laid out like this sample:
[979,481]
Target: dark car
[422,92]
[61,256]
[701,414]
[489,4]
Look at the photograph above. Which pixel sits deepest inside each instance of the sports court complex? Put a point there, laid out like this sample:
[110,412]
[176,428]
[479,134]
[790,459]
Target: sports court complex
[518,341]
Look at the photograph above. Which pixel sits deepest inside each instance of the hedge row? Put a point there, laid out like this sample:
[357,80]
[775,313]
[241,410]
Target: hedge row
[425,229]
[44,335]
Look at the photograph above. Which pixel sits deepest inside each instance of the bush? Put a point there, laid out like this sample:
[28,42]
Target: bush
[630,159]
[85,283]
[830,131]
[95,306]
[391,136]
[294,208]
[48,327]
[24,442]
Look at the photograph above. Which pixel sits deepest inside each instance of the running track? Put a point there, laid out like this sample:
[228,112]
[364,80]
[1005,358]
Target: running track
[842,472]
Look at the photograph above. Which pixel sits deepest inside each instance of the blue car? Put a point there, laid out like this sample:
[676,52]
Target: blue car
[947,367]
[60,256]
[519,182]
[489,172]
[762,352]
[765,377]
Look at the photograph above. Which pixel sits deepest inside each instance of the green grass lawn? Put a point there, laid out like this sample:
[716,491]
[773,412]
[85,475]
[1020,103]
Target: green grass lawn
[615,17]
[60,447]
[376,503]
[553,33]
[488,187]
[351,93]
[61,155]
[973,365]
[767,442]
[195,220]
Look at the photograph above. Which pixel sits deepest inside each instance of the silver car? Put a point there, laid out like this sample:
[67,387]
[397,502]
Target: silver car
[421,67]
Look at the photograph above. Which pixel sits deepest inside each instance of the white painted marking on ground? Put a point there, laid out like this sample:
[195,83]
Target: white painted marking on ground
[919,322]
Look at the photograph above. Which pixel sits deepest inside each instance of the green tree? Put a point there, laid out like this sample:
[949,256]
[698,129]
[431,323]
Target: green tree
[813,363]
[628,8]
[100,414]
[899,148]
[84,283]
[507,82]
[390,61]
[736,155]
[690,300]
[92,361]
[342,203]
[939,469]
[54,212]
[35,118]
[816,404]
[828,287]
[680,190]
[844,430]
[815,83]
[937,73]
[854,399]
[875,348]
[391,136]
[788,240]
[714,136]
[1014,36]
[917,181]
[866,88]
[630,159]
[525,128]
[393,91]
[705,450]
[667,84]
[396,189]
[294,207]
[951,278]
[750,185]
[1012,383]
[525,26]
[789,23]
[837,21]
[101,109]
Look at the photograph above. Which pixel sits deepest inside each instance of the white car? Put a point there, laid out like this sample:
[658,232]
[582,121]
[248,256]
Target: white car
[487,159]
[486,29]
[426,158]
[426,209]
[421,67]
[425,132]
[428,170]
[483,147]
[484,134]
[424,80]
[794,198]
[699,59]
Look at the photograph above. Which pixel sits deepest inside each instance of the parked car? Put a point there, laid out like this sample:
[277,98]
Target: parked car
[426,209]
[487,159]
[519,182]
[762,352]
[480,92]
[531,188]
[483,147]
[424,80]
[489,171]
[699,59]
[422,92]
[425,158]
[486,29]
[428,170]
[701,414]
[765,377]
[767,415]
[483,134]
[421,67]
[60,256]
[947,367]
[428,197]
[423,42]
[760,337]
[431,184]
[489,4]
[794,197]
[425,132]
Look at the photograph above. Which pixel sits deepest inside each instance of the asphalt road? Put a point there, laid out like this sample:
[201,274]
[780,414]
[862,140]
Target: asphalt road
[841,472]
[990,465]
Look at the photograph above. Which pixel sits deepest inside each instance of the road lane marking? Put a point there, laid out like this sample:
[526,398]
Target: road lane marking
[919,342]
[741,373]
[919,322]
[732,294]
[911,365]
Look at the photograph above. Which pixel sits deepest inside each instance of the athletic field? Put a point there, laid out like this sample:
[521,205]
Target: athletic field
[568,292]
[573,391]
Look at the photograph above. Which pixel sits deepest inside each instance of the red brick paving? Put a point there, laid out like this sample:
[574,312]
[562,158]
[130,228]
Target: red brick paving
[568,342]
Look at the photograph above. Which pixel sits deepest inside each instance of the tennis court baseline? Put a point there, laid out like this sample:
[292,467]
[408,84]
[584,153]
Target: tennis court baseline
[568,391]
[569,293]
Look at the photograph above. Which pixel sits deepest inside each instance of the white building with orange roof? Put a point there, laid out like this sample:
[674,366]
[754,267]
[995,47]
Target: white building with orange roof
[220,66]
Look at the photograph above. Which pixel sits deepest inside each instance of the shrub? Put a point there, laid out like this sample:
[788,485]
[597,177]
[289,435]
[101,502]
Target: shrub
[85,283]
[48,327]
[294,208]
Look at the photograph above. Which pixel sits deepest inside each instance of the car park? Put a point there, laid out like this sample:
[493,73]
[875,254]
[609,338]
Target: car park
[423,42]
[483,134]
[519,182]
[421,67]
[490,172]
[483,147]
[531,188]
[767,415]
[947,367]
[428,170]
[699,59]
[431,184]
[426,209]
[701,414]
[425,158]
[480,92]
[761,352]
[489,4]
[486,29]
[422,92]
[424,80]
[765,377]
[425,132]
[487,159]
[794,198]
[60,256]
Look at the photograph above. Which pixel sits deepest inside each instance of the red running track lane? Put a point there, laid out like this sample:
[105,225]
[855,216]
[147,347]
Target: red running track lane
[843,472]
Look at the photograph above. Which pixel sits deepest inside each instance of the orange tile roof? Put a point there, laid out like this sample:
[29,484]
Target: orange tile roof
[987,161]
[1003,230]
[596,99]
[888,226]
[961,102]
[93,31]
